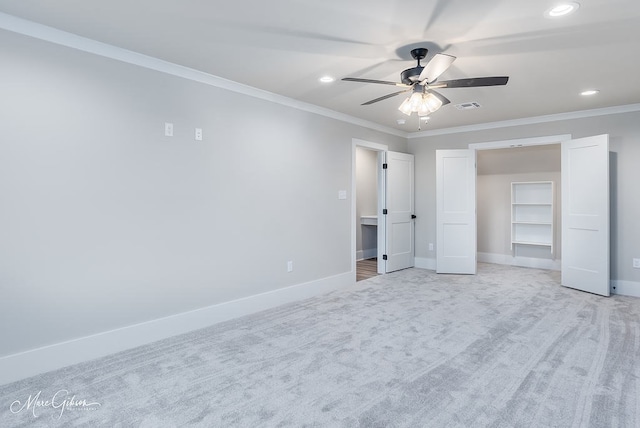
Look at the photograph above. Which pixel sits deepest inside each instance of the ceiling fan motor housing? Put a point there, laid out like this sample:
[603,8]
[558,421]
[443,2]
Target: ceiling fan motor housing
[410,75]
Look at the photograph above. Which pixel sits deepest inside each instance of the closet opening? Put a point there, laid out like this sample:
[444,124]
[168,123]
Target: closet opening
[518,206]
[583,222]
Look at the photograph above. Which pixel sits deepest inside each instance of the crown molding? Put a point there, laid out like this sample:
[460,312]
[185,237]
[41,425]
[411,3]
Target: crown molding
[529,120]
[63,38]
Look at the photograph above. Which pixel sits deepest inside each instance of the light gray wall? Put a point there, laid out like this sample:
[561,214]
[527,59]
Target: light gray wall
[494,214]
[624,135]
[497,169]
[105,222]
[366,197]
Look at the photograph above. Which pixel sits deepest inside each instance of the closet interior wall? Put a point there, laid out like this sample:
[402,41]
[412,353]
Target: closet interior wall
[497,169]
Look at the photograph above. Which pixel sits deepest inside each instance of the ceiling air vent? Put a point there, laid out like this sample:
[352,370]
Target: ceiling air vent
[467,106]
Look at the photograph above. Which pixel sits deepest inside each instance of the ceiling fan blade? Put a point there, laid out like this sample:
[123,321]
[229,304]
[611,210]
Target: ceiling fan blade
[441,97]
[434,68]
[385,97]
[380,82]
[473,82]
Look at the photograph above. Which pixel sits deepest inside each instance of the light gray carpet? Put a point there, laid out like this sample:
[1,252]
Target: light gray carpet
[508,347]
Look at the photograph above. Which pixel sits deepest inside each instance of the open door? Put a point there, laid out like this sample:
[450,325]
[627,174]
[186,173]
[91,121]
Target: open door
[456,211]
[585,214]
[399,206]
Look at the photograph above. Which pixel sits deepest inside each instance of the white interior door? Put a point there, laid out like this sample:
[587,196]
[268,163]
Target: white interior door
[399,217]
[456,211]
[585,214]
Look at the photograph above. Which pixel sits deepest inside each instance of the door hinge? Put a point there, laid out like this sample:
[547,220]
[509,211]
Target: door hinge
[384,211]
[384,166]
[384,257]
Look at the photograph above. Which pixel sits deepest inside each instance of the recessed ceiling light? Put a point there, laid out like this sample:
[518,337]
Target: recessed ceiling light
[589,92]
[562,9]
[327,79]
[401,121]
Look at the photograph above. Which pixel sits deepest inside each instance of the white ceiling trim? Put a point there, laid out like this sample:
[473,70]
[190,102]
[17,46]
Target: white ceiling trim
[529,120]
[63,38]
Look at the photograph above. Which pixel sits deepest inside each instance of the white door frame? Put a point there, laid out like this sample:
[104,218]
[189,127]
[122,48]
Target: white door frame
[521,142]
[381,149]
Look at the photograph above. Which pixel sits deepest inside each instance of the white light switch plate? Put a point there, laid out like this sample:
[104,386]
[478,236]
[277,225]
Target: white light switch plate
[342,194]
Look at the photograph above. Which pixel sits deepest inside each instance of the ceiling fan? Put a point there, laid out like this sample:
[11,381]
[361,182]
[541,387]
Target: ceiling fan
[422,82]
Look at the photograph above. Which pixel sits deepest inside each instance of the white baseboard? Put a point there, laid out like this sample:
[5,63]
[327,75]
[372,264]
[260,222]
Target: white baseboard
[530,262]
[425,263]
[30,363]
[625,288]
[501,259]
[428,263]
[366,254]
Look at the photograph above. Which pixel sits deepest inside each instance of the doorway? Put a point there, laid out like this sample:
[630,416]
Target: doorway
[584,202]
[367,195]
[374,192]
[394,218]
[519,241]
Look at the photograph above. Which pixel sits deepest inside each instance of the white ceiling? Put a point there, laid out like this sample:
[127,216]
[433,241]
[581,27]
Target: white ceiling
[285,46]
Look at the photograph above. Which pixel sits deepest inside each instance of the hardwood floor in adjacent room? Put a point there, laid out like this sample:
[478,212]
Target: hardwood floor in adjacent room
[366,269]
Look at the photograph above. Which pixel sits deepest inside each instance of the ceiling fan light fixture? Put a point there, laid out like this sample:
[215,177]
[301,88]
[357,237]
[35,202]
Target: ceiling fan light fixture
[433,102]
[422,103]
[416,101]
[563,9]
[405,107]
[424,110]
